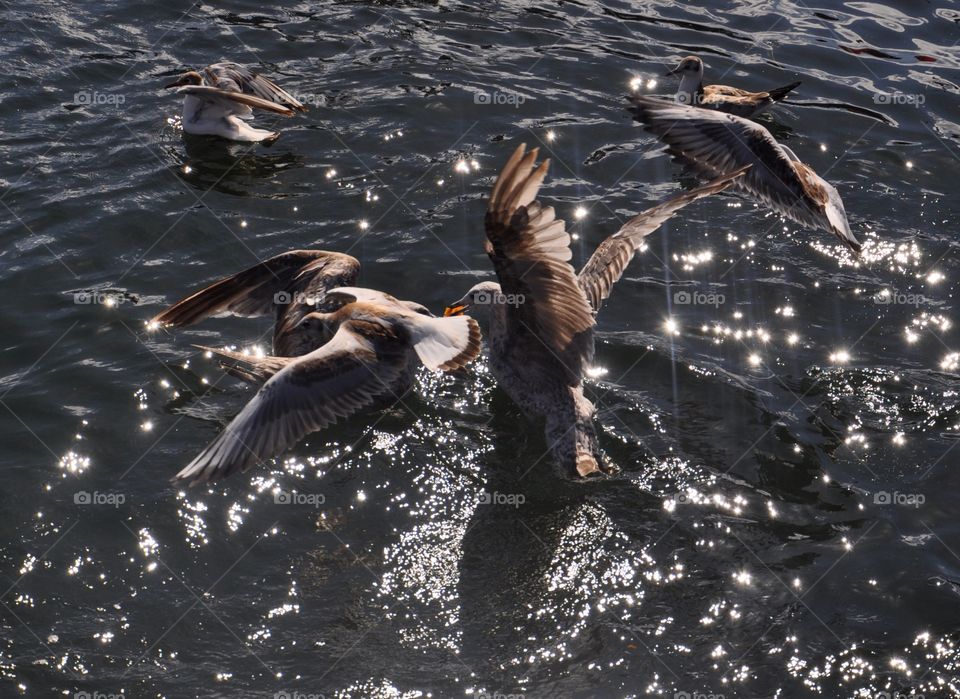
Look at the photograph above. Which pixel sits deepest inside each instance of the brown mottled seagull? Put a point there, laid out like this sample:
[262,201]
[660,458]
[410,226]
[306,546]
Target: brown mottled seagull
[724,98]
[288,286]
[292,287]
[542,313]
[375,336]
[219,100]
[712,142]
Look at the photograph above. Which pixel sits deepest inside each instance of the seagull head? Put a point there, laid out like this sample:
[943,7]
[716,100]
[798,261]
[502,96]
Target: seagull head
[317,325]
[191,77]
[483,294]
[691,65]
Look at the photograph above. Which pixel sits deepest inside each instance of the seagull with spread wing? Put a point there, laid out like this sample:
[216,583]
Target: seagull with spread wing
[370,351]
[542,312]
[288,286]
[712,142]
[724,98]
[220,99]
[295,288]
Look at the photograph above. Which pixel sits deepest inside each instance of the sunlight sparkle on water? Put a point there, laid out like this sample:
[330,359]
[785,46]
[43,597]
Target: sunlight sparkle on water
[840,357]
[71,462]
[950,362]
[579,212]
[786,311]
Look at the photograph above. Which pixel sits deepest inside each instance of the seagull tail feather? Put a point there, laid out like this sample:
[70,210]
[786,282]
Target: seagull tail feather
[778,93]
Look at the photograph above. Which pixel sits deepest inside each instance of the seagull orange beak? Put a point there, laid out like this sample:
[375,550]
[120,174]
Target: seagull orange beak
[454,310]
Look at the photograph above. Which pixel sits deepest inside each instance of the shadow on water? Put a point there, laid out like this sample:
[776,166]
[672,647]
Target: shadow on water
[229,167]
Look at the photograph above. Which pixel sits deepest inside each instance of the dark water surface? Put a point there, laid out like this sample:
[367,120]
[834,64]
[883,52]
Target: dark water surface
[786,520]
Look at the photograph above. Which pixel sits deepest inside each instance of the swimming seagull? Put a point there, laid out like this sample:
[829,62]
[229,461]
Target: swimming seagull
[219,100]
[542,313]
[374,339]
[713,142]
[724,98]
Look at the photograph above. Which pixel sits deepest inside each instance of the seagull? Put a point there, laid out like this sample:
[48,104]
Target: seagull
[724,98]
[542,313]
[312,331]
[295,288]
[712,142]
[219,101]
[288,286]
[369,351]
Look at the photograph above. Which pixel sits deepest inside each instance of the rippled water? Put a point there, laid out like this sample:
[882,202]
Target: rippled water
[785,523]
